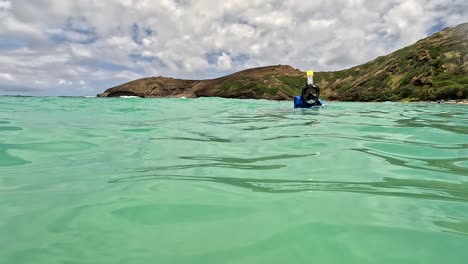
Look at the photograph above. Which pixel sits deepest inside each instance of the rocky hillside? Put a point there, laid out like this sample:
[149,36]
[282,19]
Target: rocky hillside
[433,68]
[272,82]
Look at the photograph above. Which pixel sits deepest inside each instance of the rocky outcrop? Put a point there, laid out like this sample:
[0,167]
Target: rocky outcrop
[273,82]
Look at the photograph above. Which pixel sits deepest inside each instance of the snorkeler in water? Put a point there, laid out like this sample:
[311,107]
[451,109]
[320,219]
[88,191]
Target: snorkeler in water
[309,97]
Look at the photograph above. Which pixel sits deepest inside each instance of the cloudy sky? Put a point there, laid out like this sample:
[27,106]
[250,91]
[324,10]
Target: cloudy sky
[65,47]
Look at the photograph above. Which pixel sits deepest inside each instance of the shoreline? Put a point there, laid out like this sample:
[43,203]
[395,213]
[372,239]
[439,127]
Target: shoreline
[456,101]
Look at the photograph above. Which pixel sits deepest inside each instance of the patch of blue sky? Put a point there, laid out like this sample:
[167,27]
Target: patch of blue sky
[241,58]
[213,55]
[156,61]
[390,39]
[76,30]
[139,33]
[436,27]
[11,44]
[109,66]
[71,36]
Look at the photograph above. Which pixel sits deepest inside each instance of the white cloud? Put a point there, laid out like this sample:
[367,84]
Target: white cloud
[224,62]
[5,4]
[103,43]
[6,76]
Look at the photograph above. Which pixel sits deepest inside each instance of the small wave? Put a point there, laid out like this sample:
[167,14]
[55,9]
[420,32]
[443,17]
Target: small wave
[410,188]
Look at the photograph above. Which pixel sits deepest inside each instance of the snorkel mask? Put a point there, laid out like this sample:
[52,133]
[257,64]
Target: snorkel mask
[310,93]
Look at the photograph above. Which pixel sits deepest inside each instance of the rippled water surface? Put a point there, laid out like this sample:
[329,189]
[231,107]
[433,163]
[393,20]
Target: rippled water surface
[89,180]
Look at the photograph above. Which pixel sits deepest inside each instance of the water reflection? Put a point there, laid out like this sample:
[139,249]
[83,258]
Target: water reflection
[246,160]
[418,122]
[409,188]
[226,162]
[456,226]
[428,164]
[381,139]
[204,138]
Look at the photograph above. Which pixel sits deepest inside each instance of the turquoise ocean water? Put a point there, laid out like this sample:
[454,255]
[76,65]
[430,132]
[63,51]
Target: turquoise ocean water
[100,180]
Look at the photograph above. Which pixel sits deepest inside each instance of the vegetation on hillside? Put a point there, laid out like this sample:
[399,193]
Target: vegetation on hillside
[434,68]
[270,84]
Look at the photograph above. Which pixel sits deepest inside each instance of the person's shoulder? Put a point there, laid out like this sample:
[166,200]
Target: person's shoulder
[297,101]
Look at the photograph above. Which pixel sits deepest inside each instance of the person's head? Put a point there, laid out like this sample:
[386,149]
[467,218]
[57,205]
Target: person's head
[310,93]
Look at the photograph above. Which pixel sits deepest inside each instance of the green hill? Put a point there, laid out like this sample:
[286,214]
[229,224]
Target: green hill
[433,68]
